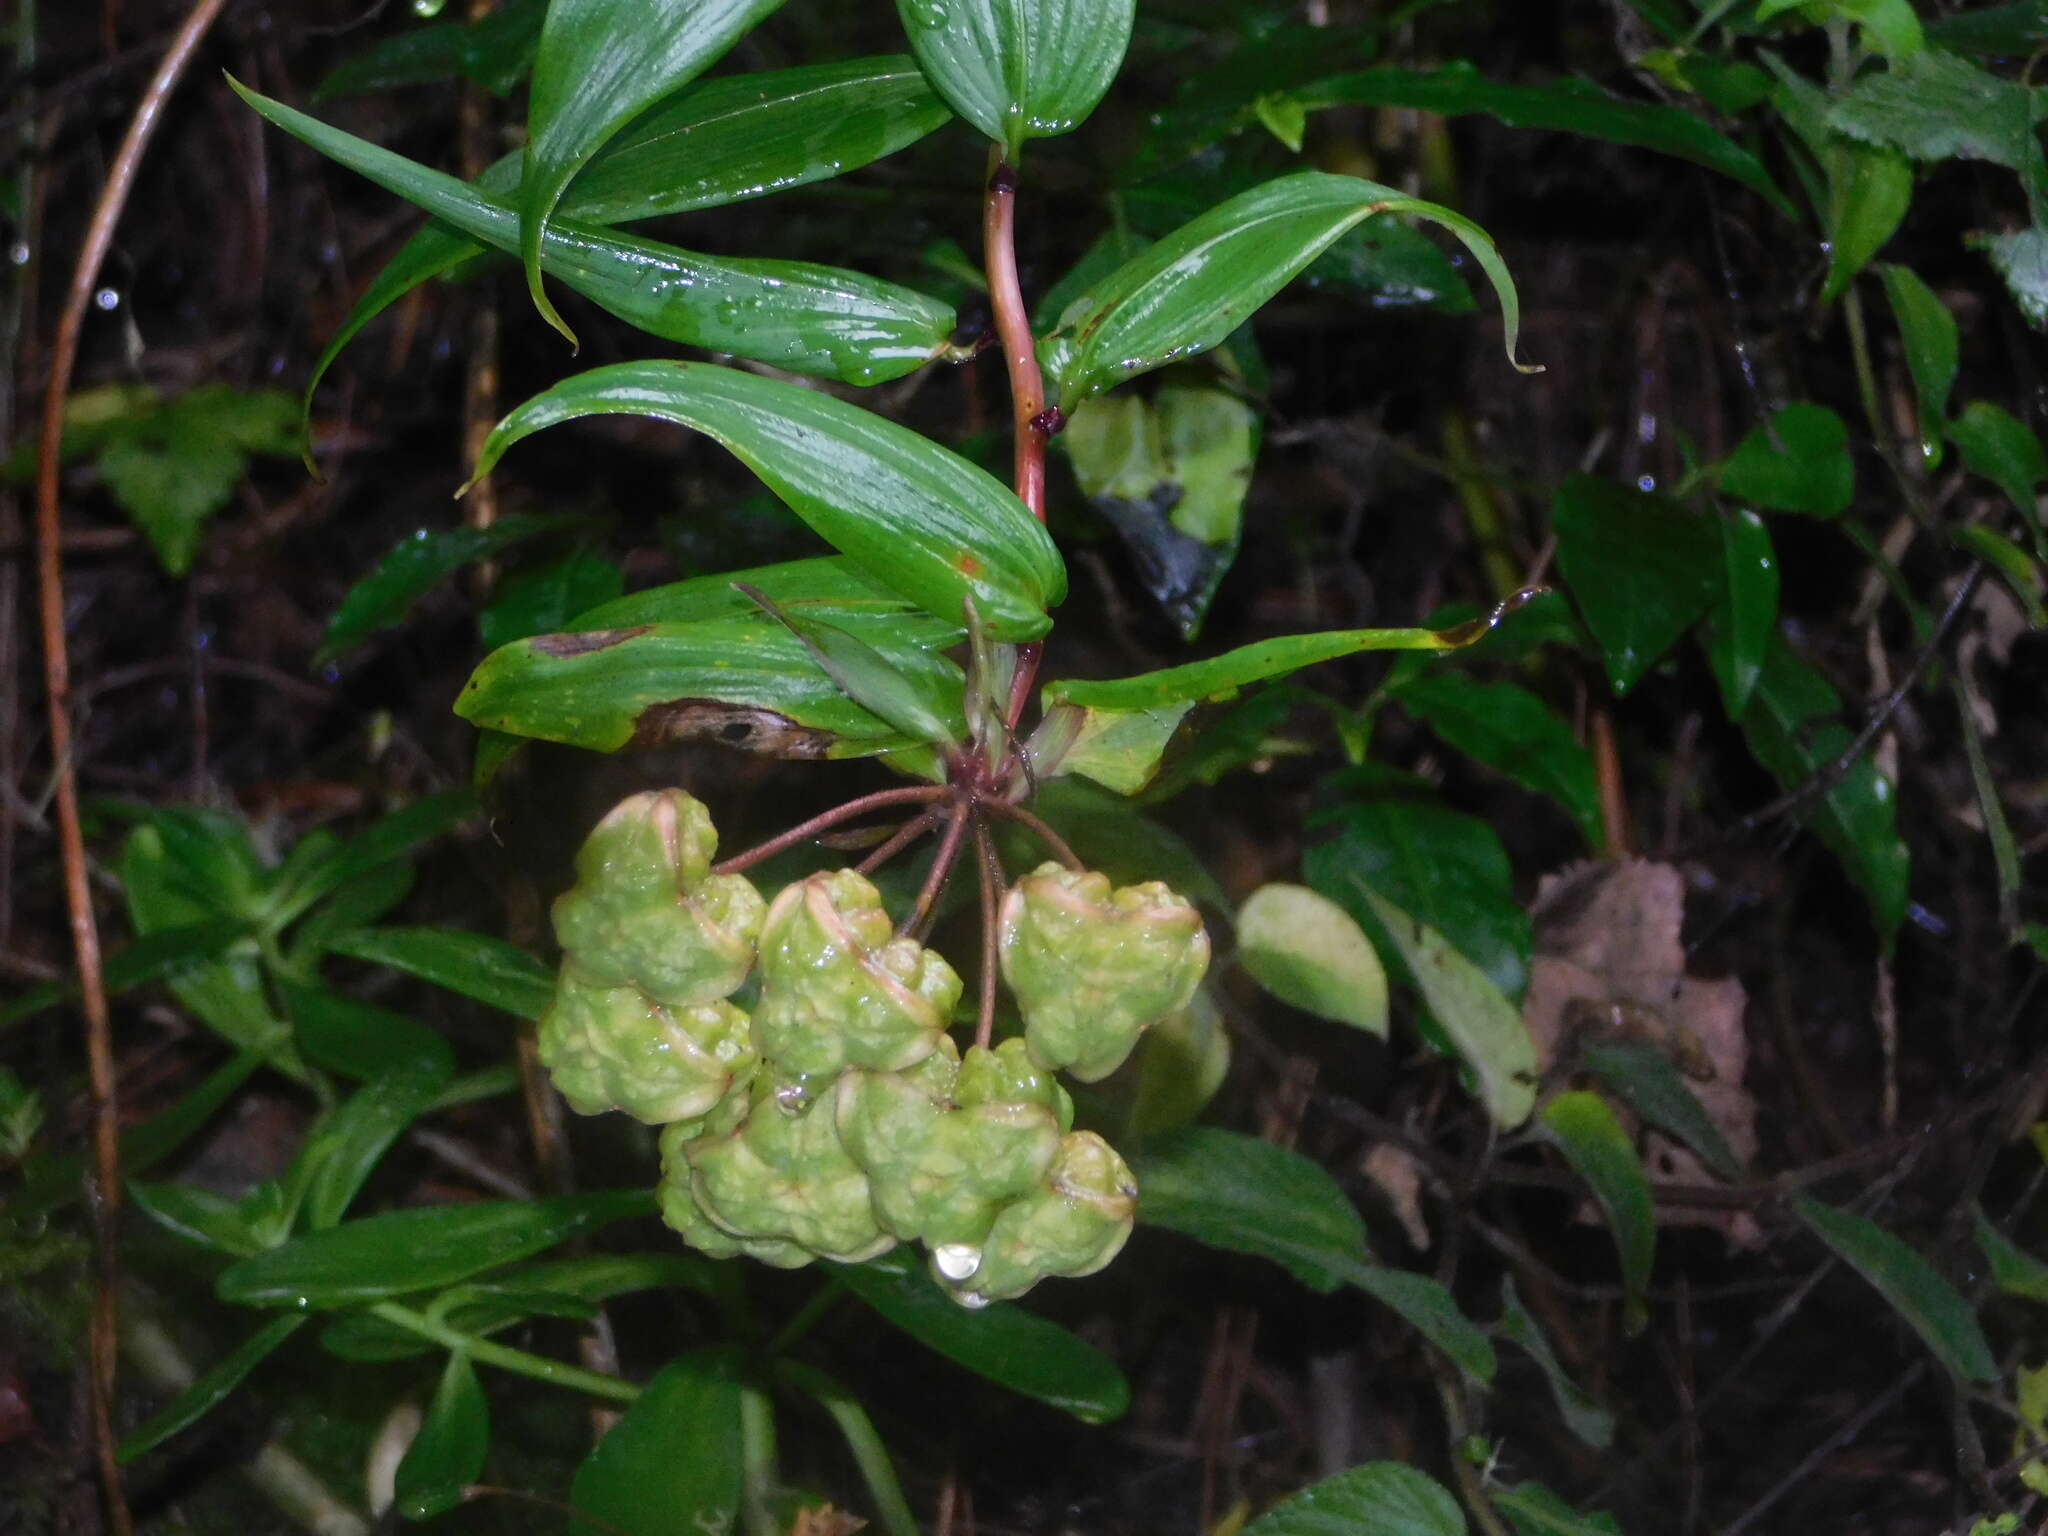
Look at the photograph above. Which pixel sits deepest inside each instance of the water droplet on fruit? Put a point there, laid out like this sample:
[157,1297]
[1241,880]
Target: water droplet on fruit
[974,1301]
[956,1261]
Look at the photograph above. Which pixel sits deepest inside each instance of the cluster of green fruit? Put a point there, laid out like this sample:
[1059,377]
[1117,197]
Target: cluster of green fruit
[838,1118]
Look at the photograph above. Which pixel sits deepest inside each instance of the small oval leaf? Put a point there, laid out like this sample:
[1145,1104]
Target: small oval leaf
[1305,950]
[673,1461]
[197,1400]
[447,1455]
[1381,1498]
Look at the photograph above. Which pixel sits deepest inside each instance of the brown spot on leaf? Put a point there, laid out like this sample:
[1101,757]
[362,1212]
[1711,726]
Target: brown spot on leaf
[967,564]
[742,727]
[584,643]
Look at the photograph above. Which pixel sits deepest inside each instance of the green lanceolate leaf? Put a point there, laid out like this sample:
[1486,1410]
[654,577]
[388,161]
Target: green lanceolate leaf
[198,1215]
[1570,106]
[1934,1308]
[476,965]
[1510,729]
[1306,950]
[418,1249]
[199,1399]
[1928,332]
[1019,69]
[1381,1498]
[739,136]
[155,956]
[741,682]
[672,1462]
[2017,1272]
[1219,676]
[1794,726]
[1481,1023]
[1748,616]
[1586,1418]
[865,675]
[493,52]
[1251,1196]
[796,315]
[1642,1076]
[1798,461]
[357,1039]
[601,63]
[544,599]
[1870,187]
[1189,291]
[910,514]
[2004,450]
[1013,1348]
[863,1441]
[1642,567]
[415,566]
[1600,1152]
[830,588]
[350,1140]
[1536,1511]
[447,1455]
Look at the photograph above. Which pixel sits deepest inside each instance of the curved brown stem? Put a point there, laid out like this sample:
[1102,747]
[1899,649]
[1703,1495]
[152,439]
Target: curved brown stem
[900,839]
[1013,326]
[957,819]
[991,905]
[1036,826]
[824,821]
[85,939]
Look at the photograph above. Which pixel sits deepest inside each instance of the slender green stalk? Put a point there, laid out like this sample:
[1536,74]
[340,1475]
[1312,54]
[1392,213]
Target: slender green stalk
[808,1317]
[506,1358]
[869,1453]
[757,1461]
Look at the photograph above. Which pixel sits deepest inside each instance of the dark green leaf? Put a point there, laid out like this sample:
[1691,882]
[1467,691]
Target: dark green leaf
[1870,187]
[673,1461]
[199,1399]
[1565,106]
[1939,106]
[473,964]
[862,1439]
[2004,450]
[447,1455]
[795,315]
[1442,867]
[357,1039]
[601,63]
[302,882]
[1642,567]
[418,1250]
[1748,616]
[155,956]
[2020,27]
[1480,1021]
[1643,1077]
[1586,1418]
[197,1215]
[2017,1272]
[719,141]
[1109,834]
[1015,1349]
[1794,727]
[1310,953]
[546,598]
[2021,258]
[910,514]
[1189,291]
[419,563]
[1251,1196]
[1508,728]
[1380,1498]
[493,52]
[1933,1307]
[1603,1154]
[742,683]
[1019,72]
[1536,1511]
[351,1139]
[1796,462]
[1928,334]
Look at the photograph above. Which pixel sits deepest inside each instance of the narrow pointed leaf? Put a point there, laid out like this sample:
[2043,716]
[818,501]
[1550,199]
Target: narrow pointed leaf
[473,964]
[2017,1272]
[1019,69]
[796,315]
[1934,1308]
[418,1249]
[919,519]
[1586,1418]
[447,1454]
[1749,616]
[1869,189]
[357,1039]
[1263,659]
[827,587]
[862,1439]
[1601,1152]
[1380,1498]
[197,1215]
[672,1463]
[863,674]
[1306,950]
[155,956]
[601,63]
[199,1399]
[1932,346]
[1015,1349]
[1189,291]
[1643,1077]
[2004,450]
[741,682]
[1481,1023]
[1642,567]
[355,1135]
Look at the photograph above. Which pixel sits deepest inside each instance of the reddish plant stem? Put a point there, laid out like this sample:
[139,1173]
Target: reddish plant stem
[881,799]
[991,903]
[1036,826]
[958,818]
[85,938]
[902,838]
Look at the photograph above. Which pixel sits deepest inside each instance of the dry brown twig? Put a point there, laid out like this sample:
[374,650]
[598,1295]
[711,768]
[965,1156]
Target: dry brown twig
[85,939]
